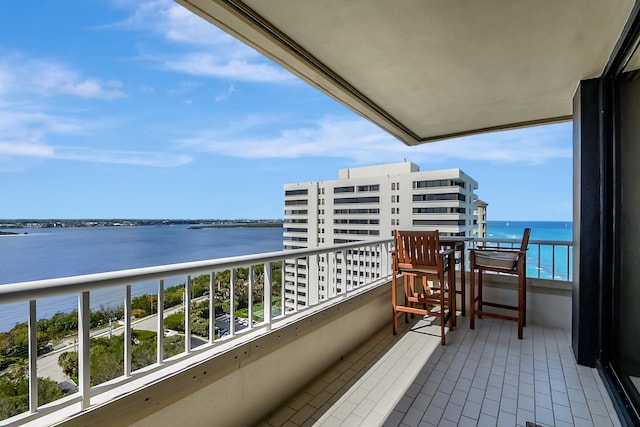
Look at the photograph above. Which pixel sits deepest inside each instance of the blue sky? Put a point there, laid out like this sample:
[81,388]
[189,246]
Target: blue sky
[122,109]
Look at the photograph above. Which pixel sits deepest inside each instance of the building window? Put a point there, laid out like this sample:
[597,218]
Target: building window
[436,222]
[348,189]
[295,203]
[356,200]
[296,192]
[435,197]
[393,185]
[374,187]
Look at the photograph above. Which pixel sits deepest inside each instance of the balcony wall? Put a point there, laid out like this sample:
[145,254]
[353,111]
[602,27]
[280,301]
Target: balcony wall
[548,302]
[244,384]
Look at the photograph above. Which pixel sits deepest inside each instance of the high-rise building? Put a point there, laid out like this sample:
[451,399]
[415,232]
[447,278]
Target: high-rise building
[481,218]
[368,203]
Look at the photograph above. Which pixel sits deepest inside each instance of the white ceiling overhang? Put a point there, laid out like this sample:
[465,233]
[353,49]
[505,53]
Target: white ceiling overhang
[429,69]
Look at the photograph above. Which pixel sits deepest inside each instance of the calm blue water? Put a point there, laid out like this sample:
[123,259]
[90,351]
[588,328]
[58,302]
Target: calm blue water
[553,262]
[60,252]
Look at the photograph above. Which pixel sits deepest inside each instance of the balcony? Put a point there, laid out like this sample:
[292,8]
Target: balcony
[331,360]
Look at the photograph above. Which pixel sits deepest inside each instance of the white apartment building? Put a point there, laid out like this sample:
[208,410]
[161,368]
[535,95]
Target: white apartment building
[481,218]
[368,203]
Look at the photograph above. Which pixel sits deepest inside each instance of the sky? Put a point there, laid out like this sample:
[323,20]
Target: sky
[141,109]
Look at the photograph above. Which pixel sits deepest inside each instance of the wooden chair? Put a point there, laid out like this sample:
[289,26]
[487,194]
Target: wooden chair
[500,260]
[417,255]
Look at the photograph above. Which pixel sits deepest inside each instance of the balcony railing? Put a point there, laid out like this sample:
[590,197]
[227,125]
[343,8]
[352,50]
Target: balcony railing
[278,288]
[264,309]
[546,259]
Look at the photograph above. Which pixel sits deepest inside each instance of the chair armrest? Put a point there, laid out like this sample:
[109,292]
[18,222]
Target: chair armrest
[446,252]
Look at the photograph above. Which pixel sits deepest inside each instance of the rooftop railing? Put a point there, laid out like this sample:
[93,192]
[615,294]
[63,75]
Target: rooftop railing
[220,303]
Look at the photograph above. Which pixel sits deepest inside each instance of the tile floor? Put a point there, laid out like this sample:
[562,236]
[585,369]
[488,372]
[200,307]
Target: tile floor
[483,377]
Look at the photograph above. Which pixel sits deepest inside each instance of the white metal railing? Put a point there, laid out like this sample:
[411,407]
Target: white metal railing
[309,279]
[546,259]
[370,264]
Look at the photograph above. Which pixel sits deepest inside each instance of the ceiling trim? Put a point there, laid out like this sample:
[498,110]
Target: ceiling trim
[244,23]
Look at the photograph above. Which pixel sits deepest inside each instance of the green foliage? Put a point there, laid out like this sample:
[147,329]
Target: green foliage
[175,322]
[5,362]
[143,335]
[14,394]
[68,361]
[107,355]
[15,343]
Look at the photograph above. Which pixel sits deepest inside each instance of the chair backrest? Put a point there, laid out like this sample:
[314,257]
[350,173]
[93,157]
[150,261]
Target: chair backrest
[525,239]
[415,250]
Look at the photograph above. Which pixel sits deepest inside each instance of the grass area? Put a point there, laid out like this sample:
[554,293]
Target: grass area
[258,310]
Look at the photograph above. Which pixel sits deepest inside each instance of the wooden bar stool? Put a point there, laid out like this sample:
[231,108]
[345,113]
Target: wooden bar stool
[506,261]
[417,257]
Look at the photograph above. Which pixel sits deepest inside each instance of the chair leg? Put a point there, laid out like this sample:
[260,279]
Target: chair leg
[521,299]
[442,315]
[394,302]
[413,288]
[472,298]
[524,304]
[395,321]
[524,278]
[480,293]
[451,292]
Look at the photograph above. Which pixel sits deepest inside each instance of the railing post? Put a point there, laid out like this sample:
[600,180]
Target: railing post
[187,315]
[232,302]
[283,293]
[343,257]
[295,285]
[84,355]
[127,331]
[33,357]
[212,307]
[553,262]
[250,298]
[267,297]
[384,260]
[160,337]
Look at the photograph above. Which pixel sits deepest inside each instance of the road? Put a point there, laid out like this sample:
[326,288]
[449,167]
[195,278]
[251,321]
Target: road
[48,363]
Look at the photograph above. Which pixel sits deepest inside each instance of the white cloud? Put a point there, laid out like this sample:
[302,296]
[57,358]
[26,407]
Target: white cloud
[20,75]
[226,95]
[532,145]
[123,157]
[208,51]
[25,150]
[362,142]
[92,155]
[220,66]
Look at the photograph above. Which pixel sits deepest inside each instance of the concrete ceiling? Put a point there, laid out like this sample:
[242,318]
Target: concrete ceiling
[430,69]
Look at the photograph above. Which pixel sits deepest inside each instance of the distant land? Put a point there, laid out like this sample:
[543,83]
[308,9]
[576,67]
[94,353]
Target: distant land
[194,223]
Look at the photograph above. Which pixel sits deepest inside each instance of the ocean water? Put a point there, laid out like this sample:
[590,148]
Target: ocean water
[61,252]
[540,230]
[45,253]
